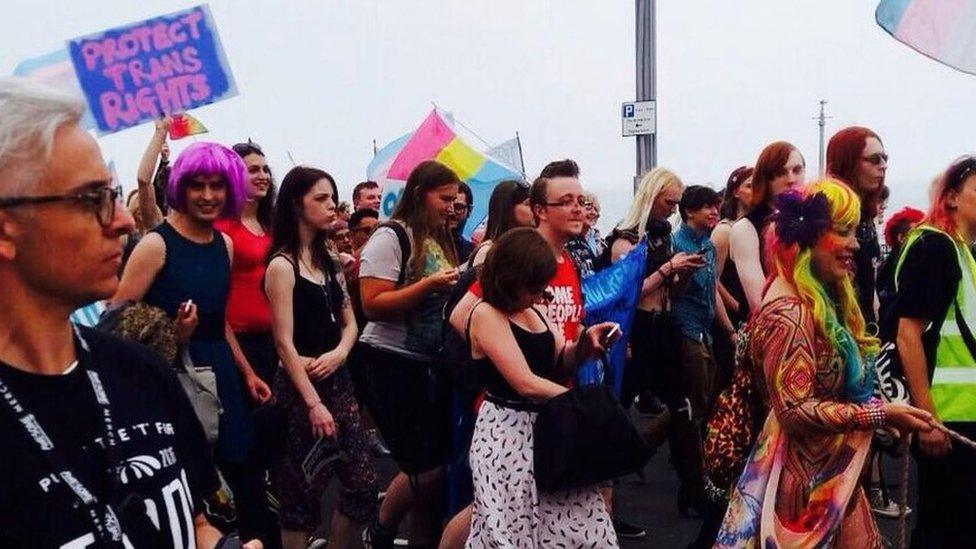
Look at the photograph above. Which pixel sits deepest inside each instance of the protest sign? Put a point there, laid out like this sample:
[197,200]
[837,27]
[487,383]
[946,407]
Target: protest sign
[164,65]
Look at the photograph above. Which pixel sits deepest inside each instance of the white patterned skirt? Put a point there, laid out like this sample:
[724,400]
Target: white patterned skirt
[508,509]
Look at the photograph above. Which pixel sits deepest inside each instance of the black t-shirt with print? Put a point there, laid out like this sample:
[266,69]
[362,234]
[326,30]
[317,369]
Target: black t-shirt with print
[582,255]
[166,465]
[927,283]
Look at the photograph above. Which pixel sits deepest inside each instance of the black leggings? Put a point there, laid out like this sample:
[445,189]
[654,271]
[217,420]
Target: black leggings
[254,518]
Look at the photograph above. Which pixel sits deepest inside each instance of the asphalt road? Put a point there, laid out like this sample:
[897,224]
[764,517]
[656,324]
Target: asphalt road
[651,503]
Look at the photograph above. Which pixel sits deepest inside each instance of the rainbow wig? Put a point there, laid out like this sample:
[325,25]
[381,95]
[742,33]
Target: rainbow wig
[208,159]
[836,313]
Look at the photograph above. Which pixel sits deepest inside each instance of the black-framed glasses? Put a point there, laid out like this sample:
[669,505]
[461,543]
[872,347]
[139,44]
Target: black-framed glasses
[103,200]
[582,201]
[876,158]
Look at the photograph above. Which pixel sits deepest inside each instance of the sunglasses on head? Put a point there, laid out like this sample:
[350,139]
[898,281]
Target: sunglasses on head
[959,172]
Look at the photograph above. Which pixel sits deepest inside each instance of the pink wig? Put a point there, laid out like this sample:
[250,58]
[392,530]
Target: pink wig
[208,159]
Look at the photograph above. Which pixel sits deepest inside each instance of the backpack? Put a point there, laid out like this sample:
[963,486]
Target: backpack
[468,376]
[404,242]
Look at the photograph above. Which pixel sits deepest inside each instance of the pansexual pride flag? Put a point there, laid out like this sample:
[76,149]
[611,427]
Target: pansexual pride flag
[944,30]
[435,139]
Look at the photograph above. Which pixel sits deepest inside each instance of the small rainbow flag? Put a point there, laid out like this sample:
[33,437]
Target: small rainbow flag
[940,29]
[436,140]
[185,125]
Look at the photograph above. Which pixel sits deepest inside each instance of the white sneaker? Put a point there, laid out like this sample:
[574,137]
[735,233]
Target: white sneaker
[882,507]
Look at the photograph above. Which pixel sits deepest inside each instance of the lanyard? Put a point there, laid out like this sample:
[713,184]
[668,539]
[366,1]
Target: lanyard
[107,527]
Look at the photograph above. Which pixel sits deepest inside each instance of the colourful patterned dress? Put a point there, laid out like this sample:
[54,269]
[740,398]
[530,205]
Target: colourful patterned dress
[800,484]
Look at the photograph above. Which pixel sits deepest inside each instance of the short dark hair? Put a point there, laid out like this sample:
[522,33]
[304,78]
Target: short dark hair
[537,192]
[556,168]
[358,215]
[360,187]
[560,168]
[519,260]
[695,198]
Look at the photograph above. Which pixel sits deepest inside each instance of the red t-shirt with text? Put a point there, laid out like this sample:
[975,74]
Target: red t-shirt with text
[565,310]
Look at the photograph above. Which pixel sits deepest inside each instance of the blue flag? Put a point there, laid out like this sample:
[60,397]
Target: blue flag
[612,295]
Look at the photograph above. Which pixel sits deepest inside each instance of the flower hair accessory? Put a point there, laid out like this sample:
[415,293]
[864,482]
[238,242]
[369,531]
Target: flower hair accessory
[801,220]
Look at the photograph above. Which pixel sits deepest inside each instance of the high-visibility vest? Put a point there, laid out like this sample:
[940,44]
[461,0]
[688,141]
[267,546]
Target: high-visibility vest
[953,387]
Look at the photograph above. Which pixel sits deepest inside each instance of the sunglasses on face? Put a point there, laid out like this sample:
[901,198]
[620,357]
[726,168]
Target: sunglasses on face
[876,158]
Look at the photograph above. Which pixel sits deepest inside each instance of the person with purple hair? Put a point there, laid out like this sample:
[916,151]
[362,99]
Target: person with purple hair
[183,267]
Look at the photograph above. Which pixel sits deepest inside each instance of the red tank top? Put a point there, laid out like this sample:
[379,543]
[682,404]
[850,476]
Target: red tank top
[566,308]
[247,306]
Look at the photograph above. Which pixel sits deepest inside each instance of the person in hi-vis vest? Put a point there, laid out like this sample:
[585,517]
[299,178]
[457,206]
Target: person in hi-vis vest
[936,307]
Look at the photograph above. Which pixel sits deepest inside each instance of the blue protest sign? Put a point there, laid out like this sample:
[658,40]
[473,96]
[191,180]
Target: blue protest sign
[164,65]
[612,295]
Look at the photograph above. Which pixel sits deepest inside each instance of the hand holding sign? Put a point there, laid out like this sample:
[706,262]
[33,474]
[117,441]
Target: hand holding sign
[139,72]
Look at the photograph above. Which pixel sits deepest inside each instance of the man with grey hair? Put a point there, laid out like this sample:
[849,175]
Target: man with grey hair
[102,448]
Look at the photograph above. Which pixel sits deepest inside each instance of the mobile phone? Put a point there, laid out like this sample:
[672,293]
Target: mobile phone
[611,335]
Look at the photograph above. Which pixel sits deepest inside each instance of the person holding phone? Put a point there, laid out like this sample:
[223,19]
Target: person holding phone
[526,355]
[314,330]
[696,308]
[407,270]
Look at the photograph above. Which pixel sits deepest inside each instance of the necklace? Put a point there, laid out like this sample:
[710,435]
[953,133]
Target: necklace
[324,285]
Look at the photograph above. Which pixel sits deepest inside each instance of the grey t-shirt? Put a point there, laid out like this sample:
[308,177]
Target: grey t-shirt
[381,258]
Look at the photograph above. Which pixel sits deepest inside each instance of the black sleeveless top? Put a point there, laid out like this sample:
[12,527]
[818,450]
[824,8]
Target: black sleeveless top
[197,271]
[730,279]
[538,350]
[315,313]
[759,217]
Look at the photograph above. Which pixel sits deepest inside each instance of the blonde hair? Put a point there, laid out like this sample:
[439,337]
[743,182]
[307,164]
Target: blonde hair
[650,186]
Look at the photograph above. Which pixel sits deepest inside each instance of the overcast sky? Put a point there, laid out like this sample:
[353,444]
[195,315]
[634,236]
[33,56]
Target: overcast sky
[322,79]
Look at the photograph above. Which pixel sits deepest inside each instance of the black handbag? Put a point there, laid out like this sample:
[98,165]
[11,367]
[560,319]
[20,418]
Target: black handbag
[583,437]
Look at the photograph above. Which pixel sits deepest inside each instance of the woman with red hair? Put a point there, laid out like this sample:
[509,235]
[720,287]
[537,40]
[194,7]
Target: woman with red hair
[856,156]
[779,167]
[936,310]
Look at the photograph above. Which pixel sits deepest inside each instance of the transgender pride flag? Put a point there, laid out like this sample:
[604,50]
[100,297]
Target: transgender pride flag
[55,69]
[944,30]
